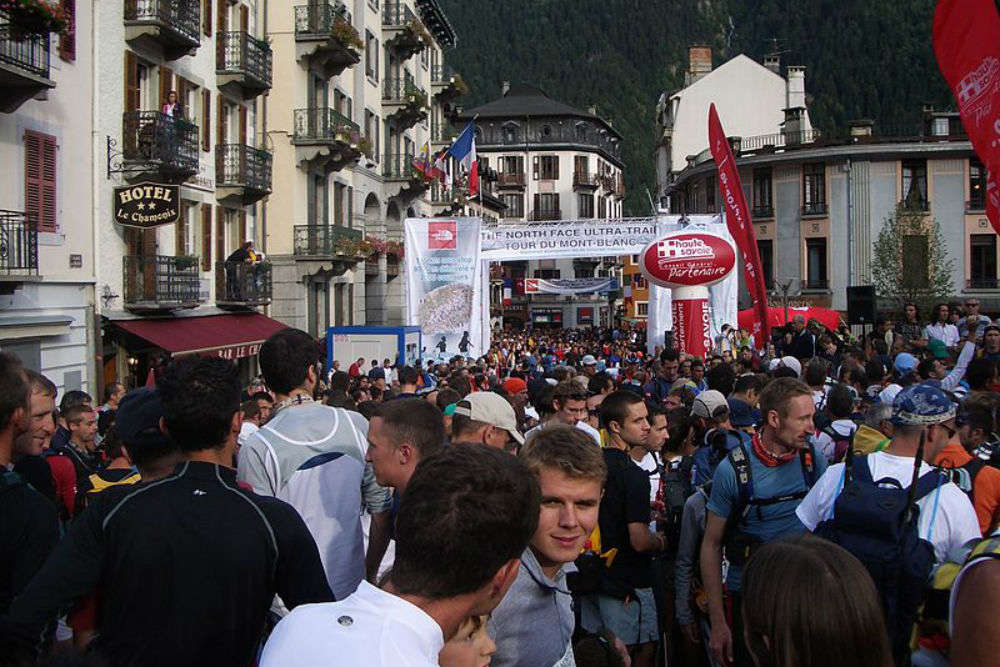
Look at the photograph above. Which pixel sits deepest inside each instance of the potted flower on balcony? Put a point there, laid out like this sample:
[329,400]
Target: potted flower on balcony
[460,85]
[29,18]
[346,34]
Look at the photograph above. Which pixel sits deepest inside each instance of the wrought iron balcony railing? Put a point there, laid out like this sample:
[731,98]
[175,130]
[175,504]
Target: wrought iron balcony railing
[441,74]
[511,179]
[327,241]
[161,282]
[25,52]
[982,283]
[160,142]
[322,124]
[241,283]
[18,245]
[318,18]
[399,167]
[401,89]
[814,208]
[242,166]
[179,21]
[763,211]
[242,53]
[583,179]
[396,14]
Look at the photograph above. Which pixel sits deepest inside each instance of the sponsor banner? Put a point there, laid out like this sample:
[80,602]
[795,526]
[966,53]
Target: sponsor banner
[739,223]
[570,238]
[686,259]
[584,315]
[691,326]
[146,205]
[444,284]
[966,39]
[567,286]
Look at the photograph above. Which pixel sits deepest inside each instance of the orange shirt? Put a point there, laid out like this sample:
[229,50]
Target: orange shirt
[986,485]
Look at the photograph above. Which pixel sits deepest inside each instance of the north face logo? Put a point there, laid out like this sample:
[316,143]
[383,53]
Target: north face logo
[442,235]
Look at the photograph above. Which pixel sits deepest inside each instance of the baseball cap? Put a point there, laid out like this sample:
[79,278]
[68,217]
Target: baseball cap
[793,363]
[888,395]
[740,413]
[937,348]
[921,405]
[514,385]
[490,408]
[710,404]
[588,360]
[905,362]
[138,418]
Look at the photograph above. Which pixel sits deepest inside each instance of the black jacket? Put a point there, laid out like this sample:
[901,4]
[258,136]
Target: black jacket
[186,567]
[28,532]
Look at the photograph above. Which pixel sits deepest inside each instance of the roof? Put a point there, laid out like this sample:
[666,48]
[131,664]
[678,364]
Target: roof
[523,100]
[188,335]
[740,60]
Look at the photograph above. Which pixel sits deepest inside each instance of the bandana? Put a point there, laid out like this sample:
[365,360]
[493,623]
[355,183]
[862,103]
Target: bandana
[767,458]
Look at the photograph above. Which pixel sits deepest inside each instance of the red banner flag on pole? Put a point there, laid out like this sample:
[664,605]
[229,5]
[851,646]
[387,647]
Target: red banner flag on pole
[740,225]
[967,46]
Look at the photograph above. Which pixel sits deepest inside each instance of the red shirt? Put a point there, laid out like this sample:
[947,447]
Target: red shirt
[355,370]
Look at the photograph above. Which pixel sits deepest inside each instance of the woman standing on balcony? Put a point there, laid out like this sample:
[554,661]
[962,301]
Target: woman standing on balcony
[172,107]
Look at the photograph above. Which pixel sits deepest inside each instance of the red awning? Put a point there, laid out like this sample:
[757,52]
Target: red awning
[227,336]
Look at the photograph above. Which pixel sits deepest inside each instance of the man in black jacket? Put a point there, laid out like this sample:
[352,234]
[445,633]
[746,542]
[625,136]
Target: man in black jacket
[187,565]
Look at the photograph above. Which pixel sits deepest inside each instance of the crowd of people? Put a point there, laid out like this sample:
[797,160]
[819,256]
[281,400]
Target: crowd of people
[567,498]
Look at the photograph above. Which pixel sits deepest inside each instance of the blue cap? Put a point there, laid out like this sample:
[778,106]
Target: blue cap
[904,363]
[138,418]
[921,405]
[740,413]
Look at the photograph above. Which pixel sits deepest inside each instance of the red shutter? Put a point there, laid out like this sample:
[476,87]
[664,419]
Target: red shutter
[220,234]
[166,84]
[244,19]
[40,180]
[243,126]
[221,24]
[206,237]
[206,17]
[206,120]
[67,39]
[220,117]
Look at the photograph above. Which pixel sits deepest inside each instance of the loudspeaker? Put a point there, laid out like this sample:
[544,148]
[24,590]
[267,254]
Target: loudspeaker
[861,304]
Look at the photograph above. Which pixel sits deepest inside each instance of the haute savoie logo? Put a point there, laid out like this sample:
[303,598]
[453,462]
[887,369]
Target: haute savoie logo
[687,259]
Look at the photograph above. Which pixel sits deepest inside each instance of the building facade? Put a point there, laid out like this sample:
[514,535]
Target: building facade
[360,89]
[818,206]
[47,241]
[552,162]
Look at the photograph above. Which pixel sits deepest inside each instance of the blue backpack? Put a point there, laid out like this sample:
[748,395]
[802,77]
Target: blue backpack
[879,525]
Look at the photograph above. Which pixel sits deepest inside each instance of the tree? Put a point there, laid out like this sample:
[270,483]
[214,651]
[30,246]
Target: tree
[909,260]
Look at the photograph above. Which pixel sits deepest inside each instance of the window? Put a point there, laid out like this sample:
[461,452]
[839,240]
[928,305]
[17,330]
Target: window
[642,308]
[634,259]
[510,134]
[602,208]
[40,180]
[547,205]
[371,56]
[640,282]
[813,189]
[512,165]
[915,184]
[548,274]
[585,204]
[514,204]
[816,263]
[710,195]
[916,260]
[318,200]
[339,208]
[983,261]
[581,166]
[766,250]
[762,207]
[977,185]
[181,229]
[547,167]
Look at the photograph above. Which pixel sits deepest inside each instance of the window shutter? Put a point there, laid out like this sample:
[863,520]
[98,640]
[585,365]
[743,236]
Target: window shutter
[221,134]
[244,19]
[206,120]
[555,167]
[206,237]
[222,23]
[555,200]
[243,226]
[243,126]
[534,169]
[220,235]
[537,201]
[166,84]
[131,82]
[206,17]
[40,180]
[67,39]
[181,230]
[350,206]
[149,247]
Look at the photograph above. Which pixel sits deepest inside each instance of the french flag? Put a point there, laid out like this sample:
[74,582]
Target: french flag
[464,150]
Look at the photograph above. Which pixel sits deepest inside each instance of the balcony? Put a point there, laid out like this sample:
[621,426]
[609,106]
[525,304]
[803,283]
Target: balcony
[18,250]
[242,174]
[544,214]
[816,284]
[762,211]
[161,283]
[173,25]
[814,208]
[404,34]
[399,169]
[403,102]
[156,145]
[325,38]
[510,180]
[242,285]
[583,180]
[242,64]
[325,139]
[976,204]
[336,243]
[982,283]
[24,65]
[619,187]
[447,84]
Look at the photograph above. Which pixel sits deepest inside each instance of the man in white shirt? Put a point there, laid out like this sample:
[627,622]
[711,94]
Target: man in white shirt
[450,565]
[312,456]
[940,329]
[569,406]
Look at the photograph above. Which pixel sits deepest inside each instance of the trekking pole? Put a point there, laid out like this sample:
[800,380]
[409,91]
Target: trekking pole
[916,475]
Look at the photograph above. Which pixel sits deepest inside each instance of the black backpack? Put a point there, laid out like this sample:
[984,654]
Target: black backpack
[840,443]
[878,524]
[675,481]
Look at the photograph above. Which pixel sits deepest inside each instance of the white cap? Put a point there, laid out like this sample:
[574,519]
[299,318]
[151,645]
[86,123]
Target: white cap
[793,363]
[490,408]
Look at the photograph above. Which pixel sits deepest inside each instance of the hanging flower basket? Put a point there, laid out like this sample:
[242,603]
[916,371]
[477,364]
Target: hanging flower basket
[30,18]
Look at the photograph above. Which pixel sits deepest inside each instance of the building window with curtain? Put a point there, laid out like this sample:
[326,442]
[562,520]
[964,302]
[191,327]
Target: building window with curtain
[586,205]
[514,204]
[766,249]
[814,189]
[915,185]
[977,186]
[983,261]
[762,206]
[816,264]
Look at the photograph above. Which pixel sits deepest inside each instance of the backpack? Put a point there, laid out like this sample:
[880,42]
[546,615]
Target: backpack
[675,489]
[964,477]
[879,526]
[840,443]
[739,544]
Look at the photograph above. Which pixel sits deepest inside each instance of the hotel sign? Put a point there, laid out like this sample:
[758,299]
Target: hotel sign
[146,205]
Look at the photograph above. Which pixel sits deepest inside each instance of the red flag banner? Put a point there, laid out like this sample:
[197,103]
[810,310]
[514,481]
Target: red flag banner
[740,225]
[967,46]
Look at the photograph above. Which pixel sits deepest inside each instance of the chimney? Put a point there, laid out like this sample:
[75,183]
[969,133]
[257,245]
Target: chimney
[592,110]
[504,88]
[699,63]
[794,127]
[795,87]
[773,63]
[861,128]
